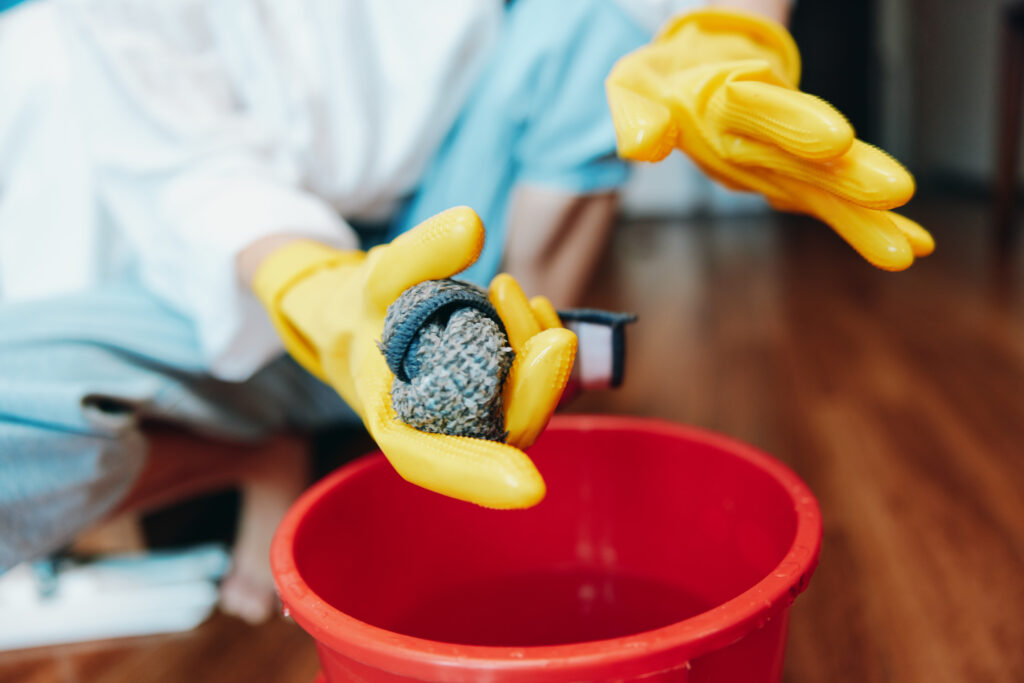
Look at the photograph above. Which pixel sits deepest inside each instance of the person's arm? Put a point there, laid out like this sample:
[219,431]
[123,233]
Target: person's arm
[555,240]
[556,237]
[195,181]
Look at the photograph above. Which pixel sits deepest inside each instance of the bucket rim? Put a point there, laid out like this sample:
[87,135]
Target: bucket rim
[650,651]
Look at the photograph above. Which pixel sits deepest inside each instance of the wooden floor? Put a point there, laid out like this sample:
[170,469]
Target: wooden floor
[898,397]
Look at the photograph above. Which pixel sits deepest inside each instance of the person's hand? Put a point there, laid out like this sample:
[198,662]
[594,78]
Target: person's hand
[722,86]
[329,307]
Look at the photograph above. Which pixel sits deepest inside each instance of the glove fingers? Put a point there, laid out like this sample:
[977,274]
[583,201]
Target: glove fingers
[535,384]
[920,239]
[872,233]
[544,312]
[865,175]
[514,310]
[439,247]
[545,352]
[644,129]
[487,473]
[801,124]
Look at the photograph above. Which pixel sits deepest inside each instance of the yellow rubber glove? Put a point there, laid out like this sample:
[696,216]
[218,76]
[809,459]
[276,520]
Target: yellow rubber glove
[722,86]
[329,307]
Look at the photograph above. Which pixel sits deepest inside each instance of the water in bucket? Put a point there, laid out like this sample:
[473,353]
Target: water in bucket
[547,608]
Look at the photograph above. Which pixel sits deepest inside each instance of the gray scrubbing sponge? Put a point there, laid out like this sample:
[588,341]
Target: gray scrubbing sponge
[448,350]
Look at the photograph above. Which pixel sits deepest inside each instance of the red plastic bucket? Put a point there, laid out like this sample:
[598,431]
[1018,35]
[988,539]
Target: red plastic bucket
[661,553]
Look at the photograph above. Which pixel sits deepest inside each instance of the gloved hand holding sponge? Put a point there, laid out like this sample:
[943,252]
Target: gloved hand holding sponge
[722,86]
[329,307]
[719,85]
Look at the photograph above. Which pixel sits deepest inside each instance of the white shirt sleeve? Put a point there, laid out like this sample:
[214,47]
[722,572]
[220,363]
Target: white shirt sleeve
[186,171]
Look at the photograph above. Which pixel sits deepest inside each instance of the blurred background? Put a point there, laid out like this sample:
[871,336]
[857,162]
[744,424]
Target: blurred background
[898,397]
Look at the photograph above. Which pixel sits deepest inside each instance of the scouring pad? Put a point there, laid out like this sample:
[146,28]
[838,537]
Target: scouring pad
[448,350]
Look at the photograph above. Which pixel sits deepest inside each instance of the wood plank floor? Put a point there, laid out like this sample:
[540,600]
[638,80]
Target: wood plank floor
[898,397]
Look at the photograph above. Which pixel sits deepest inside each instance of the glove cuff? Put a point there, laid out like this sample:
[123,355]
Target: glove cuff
[279,273]
[764,32]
